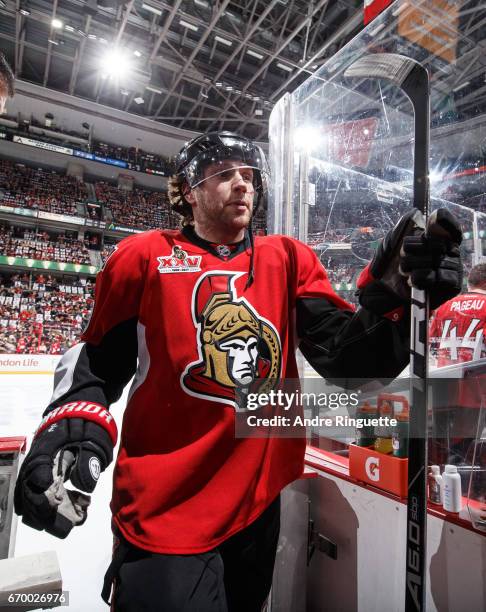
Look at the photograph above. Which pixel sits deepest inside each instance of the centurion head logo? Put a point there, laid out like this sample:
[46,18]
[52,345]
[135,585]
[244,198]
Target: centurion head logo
[239,351]
[179,261]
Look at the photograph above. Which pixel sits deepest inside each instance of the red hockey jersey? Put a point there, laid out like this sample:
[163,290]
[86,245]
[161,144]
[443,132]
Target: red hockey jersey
[458,329]
[183,482]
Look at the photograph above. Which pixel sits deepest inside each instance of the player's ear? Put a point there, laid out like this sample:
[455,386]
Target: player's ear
[188,194]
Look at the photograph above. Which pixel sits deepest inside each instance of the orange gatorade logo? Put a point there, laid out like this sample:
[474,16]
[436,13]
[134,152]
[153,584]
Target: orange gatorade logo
[372,467]
[239,352]
[179,261]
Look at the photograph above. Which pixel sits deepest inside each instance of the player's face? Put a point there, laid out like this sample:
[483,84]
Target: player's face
[3,96]
[225,200]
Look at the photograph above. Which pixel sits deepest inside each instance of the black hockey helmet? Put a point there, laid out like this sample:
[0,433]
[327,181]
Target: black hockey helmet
[214,148]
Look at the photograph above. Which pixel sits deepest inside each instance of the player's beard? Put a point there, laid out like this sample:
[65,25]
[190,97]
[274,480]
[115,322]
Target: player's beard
[225,220]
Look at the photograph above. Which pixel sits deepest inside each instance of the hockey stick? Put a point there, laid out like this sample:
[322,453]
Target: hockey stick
[412,78]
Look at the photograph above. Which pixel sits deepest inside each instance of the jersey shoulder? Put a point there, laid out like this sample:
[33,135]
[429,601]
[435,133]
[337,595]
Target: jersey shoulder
[141,243]
[142,239]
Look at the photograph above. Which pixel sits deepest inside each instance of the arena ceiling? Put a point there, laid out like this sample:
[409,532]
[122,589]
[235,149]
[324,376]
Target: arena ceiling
[195,64]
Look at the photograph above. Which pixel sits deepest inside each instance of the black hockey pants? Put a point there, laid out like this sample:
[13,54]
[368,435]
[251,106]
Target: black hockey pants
[234,577]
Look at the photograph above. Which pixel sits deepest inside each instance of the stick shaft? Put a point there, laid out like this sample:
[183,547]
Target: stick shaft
[417,85]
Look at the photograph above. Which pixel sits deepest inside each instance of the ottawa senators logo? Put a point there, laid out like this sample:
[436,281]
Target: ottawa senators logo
[239,351]
[179,261]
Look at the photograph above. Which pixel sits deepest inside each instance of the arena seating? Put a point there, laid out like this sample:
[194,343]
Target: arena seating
[42,314]
[22,242]
[136,158]
[40,189]
[139,208]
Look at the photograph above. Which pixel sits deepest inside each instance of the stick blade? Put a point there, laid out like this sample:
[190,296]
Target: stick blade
[390,66]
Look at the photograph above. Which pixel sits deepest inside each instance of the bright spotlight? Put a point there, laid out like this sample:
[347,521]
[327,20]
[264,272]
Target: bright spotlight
[308,138]
[116,63]
[435,177]
[56,24]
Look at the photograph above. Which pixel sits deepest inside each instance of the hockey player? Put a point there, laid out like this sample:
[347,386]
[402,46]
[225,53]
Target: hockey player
[6,83]
[209,312]
[458,335]
[458,329]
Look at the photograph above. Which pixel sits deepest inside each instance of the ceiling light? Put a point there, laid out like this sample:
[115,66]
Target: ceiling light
[137,53]
[249,96]
[188,25]
[284,67]
[103,41]
[69,28]
[228,43]
[139,100]
[56,23]
[81,32]
[201,3]
[256,98]
[229,88]
[52,41]
[258,112]
[154,89]
[219,84]
[254,54]
[92,36]
[116,63]
[151,9]
[24,11]
[124,92]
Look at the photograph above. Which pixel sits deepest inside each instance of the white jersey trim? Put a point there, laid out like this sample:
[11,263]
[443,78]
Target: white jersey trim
[143,361]
[64,373]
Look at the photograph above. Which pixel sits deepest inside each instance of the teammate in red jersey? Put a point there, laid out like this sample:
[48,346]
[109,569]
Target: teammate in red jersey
[458,335]
[458,329]
[209,313]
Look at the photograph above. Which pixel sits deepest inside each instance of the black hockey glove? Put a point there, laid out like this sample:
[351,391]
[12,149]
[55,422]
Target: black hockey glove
[432,261]
[409,255]
[70,448]
[382,289]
